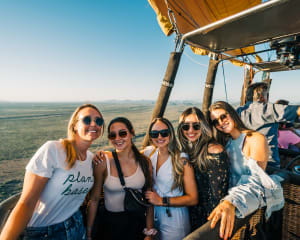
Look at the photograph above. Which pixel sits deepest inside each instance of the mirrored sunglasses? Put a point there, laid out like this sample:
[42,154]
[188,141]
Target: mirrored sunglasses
[164,133]
[222,117]
[87,120]
[121,133]
[186,126]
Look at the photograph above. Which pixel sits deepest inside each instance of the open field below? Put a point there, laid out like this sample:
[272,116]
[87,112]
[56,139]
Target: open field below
[24,127]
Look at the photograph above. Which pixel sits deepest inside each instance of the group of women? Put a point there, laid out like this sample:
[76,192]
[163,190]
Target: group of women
[193,183]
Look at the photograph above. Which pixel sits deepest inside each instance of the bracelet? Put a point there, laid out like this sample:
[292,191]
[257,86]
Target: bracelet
[150,232]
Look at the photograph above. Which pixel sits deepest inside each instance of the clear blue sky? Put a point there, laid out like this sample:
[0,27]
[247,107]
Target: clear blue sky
[89,50]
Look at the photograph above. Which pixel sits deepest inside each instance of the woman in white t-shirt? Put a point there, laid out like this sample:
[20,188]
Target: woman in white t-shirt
[174,182]
[57,179]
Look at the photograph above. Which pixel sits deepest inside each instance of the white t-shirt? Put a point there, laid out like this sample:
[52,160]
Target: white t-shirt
[65,190]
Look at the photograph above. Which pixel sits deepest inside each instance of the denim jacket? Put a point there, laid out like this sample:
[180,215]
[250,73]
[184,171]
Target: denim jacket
[250,186]
[256,189]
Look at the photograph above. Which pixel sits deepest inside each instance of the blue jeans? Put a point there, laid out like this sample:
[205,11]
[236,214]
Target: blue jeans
[70,229]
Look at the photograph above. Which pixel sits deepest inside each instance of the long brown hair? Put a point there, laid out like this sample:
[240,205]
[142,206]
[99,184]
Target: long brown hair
[140,158]
[173,149]
[69,142]
[221,137]
[198,150]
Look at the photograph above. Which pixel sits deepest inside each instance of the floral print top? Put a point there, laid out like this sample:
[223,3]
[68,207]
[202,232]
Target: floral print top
[212,185]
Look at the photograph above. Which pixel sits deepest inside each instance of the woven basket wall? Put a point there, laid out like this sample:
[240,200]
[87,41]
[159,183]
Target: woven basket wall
[291,212]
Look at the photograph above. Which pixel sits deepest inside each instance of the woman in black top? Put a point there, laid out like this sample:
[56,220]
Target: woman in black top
[209,160]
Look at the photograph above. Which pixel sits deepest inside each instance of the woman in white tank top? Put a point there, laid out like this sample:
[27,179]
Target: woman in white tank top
[174,182]
[119,224]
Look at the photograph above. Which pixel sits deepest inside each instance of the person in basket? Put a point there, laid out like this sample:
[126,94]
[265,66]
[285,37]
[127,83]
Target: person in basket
[174,182]
[57,179]
[136,169]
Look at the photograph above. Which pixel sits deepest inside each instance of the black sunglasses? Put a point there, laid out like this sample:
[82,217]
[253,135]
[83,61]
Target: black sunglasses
[164,133]
[222,117]
[113,135]
[186,126]
[87,120]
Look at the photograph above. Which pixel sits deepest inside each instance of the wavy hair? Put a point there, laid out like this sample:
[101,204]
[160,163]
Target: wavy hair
[140,158]
[69,142]
[173,149]
[221,137]
[198,150]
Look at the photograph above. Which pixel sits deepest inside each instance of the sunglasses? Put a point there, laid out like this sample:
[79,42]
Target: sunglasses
[121,133]
[87,120]
[164,133]
[195,125]
[222,117]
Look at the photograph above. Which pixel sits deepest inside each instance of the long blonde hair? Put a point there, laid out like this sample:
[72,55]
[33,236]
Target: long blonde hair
[69,142]
[173,149]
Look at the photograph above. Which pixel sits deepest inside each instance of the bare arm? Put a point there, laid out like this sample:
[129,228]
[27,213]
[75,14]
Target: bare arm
[22,213]
[150,210]
[149,220]
[99,172]
[256,147]
[190,188]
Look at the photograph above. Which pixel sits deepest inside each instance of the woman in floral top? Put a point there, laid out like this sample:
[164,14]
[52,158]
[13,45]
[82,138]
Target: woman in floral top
[209,160]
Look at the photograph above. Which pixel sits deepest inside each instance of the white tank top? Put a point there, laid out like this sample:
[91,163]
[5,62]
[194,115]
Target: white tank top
[114,193]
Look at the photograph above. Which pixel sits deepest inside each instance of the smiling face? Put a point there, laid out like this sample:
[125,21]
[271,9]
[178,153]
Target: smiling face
[192,134]
[160,141]
[84,131]
[120,142]
[222,121]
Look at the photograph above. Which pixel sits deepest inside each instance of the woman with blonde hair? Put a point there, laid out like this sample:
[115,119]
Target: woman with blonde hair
[174,182]
[57,179]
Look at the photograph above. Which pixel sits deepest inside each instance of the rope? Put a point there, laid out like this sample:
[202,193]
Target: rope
[174,24]
[224,81]
[193,60]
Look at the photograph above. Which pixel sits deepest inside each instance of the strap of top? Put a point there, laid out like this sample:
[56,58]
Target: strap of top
[243,141]
[107,164]
[153,151]
[120,173]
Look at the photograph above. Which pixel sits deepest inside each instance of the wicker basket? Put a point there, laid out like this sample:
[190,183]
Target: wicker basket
[291,212]
[250,230]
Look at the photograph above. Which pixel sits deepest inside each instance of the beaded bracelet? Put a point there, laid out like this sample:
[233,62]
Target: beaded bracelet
[150,232]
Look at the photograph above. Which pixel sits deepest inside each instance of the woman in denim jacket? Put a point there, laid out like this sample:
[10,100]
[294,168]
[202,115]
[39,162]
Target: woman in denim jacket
[250,187]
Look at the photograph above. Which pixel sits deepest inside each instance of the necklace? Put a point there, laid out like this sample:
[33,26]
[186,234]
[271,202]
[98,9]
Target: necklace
[79,154]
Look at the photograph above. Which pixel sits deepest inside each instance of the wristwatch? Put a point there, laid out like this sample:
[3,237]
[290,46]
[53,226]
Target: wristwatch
[166,202]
